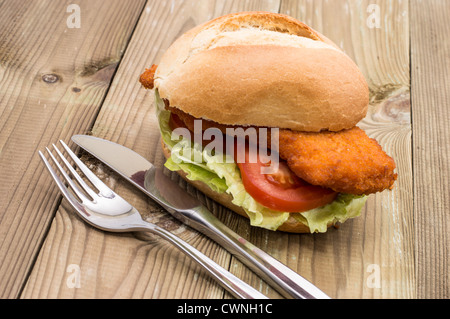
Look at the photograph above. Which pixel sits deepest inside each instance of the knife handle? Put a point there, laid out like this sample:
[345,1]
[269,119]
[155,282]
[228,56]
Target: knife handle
[286,281]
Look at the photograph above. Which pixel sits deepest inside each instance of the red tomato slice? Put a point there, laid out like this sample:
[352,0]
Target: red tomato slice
[175,122]
[283,190]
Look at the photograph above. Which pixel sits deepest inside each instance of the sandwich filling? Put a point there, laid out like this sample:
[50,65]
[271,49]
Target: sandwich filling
[222,174]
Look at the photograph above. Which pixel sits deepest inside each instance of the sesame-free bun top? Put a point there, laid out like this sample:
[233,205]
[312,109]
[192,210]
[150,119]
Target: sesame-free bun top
[263,69]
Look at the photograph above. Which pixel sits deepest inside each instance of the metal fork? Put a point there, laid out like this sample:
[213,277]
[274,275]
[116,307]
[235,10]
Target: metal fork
[108,211]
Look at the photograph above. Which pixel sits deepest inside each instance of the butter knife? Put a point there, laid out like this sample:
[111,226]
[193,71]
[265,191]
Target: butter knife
[189,210]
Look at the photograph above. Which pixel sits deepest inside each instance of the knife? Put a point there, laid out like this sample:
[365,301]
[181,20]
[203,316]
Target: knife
[189,210]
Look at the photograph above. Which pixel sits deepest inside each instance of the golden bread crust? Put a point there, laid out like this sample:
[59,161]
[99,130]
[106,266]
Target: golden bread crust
[263,69]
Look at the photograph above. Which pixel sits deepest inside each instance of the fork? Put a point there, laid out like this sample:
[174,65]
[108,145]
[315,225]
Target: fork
[106,210]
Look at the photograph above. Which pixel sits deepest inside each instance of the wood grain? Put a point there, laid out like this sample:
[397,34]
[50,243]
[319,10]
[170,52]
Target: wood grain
[381,241]
[52,82]
[401,238]
[431,147]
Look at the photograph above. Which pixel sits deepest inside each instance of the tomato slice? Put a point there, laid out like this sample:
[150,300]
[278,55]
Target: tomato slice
[283,190]
[175,122]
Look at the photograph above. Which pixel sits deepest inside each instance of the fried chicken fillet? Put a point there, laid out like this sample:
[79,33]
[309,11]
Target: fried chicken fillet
[347,161]
[147,78]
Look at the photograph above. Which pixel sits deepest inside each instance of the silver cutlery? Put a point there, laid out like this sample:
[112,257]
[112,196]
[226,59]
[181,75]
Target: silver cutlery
[153,182]
[106,210]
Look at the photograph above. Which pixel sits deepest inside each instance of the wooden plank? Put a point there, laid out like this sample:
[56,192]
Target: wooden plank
[431,147]
[125,266]
[52,81]
[379,245]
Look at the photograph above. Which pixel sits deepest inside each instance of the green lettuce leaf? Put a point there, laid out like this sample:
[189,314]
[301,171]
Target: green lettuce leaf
[196,173]
[222,175]
[344,207]
[163,117]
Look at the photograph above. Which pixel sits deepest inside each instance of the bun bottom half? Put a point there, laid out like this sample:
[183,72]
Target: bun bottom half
[290,226]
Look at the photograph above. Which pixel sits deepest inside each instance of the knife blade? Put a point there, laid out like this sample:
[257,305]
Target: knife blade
[189,210]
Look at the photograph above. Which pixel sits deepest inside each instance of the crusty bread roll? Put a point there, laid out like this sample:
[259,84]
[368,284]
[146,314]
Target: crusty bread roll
[291,225]
[263,69]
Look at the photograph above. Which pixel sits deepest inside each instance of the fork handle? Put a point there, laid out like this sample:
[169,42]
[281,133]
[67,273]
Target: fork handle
[231,283]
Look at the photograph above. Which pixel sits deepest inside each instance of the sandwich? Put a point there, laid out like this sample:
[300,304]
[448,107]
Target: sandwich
[300,163]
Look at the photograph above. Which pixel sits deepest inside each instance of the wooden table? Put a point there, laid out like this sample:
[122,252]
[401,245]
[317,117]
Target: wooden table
[58,78]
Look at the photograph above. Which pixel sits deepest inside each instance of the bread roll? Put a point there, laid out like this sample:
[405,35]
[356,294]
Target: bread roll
[263,69]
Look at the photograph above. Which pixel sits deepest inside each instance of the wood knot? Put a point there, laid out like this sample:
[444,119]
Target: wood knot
[94,67]
[50,78]
[398,107]
[392,103]
[379,94]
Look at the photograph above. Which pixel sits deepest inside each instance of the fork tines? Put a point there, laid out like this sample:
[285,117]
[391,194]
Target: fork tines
[85,189]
